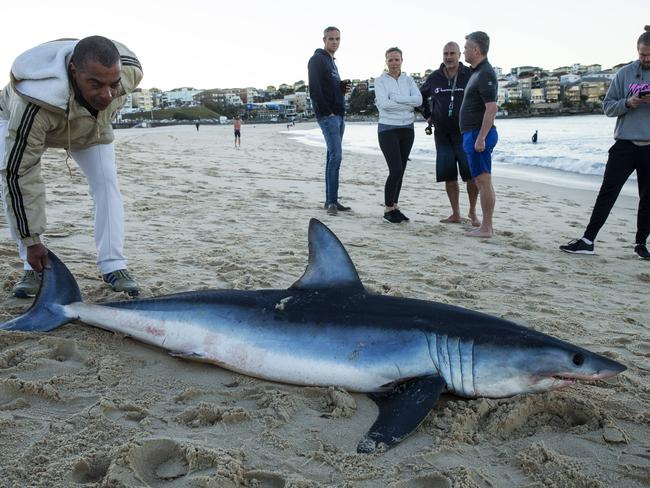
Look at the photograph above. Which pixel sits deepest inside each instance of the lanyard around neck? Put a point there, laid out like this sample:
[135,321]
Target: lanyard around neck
[450,111]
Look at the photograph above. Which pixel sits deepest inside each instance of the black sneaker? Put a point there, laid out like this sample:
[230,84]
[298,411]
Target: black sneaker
[341,208]
[578,246]
[402,216]
[641,250]
[392,217]
[331,209]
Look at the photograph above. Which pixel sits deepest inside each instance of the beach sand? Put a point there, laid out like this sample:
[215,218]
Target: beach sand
[80,406]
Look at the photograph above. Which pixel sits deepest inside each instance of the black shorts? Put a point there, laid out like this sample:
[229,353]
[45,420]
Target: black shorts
[237,133]
[450,157]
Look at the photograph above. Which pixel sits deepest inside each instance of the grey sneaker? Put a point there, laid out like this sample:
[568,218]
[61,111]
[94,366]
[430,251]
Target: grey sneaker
[121,280]
[331,209]
[28,285]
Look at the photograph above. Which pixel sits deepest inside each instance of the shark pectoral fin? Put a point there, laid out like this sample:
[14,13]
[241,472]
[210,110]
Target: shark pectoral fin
[401,411]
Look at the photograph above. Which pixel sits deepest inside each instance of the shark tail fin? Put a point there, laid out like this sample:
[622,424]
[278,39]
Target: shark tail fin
[58,288]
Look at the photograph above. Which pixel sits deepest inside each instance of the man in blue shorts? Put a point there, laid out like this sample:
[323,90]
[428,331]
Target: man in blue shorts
[445,87]
[477,125]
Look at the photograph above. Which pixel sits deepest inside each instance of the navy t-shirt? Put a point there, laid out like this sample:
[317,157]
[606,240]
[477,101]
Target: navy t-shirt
[481,89]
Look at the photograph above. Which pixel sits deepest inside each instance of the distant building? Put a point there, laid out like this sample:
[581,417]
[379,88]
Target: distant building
[562,70]
[232,98]
[606,76]
[569,79]
[537,95]
[142,99]
[520,71]
[551,86]
[593,92]
[301,104]
[571,93]
[578,69]
[180,97]
[214,95]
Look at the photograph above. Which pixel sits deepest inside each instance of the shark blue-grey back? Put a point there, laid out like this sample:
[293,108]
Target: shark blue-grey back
[326,329]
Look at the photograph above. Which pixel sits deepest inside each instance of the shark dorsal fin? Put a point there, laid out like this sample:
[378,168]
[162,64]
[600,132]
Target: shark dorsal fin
[329,264]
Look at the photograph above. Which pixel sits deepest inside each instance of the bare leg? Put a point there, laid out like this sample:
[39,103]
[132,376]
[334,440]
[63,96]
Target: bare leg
[453,192]
[488,200]
[472,193]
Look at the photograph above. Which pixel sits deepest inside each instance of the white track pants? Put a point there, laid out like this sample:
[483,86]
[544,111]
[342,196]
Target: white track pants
[98,165]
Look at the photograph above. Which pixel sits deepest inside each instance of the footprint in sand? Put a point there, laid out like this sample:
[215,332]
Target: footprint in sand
[124,413]
[89,471]
[157,462]
[265,479]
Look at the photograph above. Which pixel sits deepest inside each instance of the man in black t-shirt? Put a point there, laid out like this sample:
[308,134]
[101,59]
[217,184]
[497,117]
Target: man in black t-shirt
[477,125]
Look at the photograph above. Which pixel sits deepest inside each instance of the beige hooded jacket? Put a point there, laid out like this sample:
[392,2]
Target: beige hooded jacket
[41,111]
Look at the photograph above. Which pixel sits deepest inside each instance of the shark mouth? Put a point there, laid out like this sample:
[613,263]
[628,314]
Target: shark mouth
[569,379]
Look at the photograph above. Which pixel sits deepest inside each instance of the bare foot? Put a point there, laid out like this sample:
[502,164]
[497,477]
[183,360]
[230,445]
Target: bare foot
[480,232]
[474,220]
[452,219]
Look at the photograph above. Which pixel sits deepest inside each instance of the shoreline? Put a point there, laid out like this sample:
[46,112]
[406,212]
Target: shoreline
[524,173]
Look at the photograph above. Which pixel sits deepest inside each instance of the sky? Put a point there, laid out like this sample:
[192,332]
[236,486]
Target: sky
[208,44]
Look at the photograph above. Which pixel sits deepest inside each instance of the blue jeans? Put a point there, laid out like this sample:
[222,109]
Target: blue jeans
[333,128]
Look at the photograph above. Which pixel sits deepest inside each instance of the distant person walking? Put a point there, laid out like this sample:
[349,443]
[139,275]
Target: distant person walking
[237,127]
[396,96]
[446,87]
[197,124]
[628,99]
[477,115]
[534,138]
[327,93]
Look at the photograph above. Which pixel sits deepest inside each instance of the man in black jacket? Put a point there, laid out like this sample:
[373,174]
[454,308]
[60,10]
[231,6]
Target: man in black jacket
[445,87]
[327,97]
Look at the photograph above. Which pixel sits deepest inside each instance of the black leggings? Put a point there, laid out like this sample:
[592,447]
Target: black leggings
[396,145]
[624,158]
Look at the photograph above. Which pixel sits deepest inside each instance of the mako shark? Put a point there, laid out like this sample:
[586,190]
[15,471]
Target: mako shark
[326,329]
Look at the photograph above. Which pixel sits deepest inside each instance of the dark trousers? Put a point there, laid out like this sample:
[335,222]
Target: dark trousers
[396,145]
[624,158]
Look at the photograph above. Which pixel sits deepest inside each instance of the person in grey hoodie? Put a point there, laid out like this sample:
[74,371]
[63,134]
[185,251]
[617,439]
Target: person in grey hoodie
[628,99]
[396,96]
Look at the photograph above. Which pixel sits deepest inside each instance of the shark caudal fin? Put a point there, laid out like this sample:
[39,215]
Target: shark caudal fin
[329,264]
[58,288]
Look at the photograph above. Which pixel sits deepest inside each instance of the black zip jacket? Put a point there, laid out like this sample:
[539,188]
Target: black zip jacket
[438,88]
[325,87]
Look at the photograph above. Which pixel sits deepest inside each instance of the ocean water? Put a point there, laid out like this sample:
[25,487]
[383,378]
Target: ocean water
[571,151]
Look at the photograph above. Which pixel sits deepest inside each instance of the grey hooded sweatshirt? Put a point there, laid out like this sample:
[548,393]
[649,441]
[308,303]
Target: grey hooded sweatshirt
[632,124]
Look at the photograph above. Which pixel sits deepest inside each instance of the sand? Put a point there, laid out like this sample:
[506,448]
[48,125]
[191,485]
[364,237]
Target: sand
[80,406]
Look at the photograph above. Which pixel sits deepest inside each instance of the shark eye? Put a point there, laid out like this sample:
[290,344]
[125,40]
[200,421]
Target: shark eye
[578,359]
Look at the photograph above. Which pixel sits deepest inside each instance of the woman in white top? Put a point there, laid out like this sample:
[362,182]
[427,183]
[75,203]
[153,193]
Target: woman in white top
[396,96]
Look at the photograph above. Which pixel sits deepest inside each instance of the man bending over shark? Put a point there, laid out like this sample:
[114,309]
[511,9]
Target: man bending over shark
[65,94]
